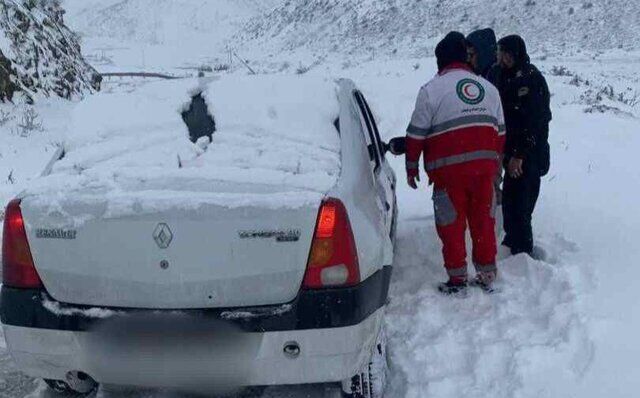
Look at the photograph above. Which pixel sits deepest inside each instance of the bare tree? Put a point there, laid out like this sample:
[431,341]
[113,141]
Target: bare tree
[29,122]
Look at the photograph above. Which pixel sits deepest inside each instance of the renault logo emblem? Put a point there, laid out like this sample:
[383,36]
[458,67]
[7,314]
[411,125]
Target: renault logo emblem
[163,235]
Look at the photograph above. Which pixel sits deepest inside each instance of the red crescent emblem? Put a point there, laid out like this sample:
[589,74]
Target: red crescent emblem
[466,91]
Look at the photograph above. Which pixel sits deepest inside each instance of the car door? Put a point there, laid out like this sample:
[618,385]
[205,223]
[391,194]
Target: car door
[383,173]
[386,171]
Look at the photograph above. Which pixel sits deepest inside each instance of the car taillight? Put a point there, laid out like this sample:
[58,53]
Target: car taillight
[18,269]
[333,260]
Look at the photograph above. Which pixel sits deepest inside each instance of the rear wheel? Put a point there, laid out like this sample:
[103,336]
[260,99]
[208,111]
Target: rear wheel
[82,386]
[371,382]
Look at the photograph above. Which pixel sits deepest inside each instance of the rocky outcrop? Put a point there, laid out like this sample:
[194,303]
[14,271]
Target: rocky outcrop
[39,55]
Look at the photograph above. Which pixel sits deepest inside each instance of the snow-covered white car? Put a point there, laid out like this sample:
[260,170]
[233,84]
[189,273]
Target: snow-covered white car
[257,253]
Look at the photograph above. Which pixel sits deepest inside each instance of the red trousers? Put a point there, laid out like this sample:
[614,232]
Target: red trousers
[467,199]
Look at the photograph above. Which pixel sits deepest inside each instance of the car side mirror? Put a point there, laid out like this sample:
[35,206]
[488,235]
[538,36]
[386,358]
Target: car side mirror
[396,146]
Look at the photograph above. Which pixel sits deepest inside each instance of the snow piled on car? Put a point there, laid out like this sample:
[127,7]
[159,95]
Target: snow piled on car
[275,146]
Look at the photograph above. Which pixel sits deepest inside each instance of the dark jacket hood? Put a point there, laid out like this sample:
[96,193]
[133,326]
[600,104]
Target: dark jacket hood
[484,42]
[515,46]
[451,49]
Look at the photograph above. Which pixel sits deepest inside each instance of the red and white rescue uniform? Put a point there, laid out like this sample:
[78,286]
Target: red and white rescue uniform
[458,128]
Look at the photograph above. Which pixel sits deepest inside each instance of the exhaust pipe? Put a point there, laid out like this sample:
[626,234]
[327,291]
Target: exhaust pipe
[291,350]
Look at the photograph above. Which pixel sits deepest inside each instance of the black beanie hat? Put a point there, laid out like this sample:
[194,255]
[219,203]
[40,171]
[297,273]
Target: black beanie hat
[451,49]
[515,46]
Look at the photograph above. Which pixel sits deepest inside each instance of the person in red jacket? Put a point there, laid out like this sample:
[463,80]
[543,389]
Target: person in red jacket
[458,128]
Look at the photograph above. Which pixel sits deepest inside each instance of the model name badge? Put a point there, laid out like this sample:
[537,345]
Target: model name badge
[56,233]
[292,235]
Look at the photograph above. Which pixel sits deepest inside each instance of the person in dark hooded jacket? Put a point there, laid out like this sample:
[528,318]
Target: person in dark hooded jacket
[525,100]
[482,53]
[482,56]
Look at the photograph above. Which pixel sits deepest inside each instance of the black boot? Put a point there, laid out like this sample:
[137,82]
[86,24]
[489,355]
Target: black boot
[452,288]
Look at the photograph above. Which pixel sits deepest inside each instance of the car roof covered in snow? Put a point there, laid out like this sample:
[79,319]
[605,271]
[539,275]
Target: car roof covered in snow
[274,144]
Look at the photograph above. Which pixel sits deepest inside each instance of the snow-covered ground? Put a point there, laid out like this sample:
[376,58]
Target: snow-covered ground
[565,327]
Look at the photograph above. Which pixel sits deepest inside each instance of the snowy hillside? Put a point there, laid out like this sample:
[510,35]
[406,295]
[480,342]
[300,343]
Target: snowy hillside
[152,32]
[161,22]
[278,35]
[410,26]
[39,54]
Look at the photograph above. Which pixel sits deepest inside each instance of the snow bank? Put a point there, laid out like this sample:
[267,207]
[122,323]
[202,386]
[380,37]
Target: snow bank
[275,145]
[528,339]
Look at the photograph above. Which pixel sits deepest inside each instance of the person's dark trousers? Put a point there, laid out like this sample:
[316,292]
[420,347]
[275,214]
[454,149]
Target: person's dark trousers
[519,197]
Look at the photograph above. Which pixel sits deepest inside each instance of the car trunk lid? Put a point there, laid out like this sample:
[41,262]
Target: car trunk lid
[209,256]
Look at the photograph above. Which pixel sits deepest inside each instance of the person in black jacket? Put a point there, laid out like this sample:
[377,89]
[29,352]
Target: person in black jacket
[482,56]
[481,52]
[525,99]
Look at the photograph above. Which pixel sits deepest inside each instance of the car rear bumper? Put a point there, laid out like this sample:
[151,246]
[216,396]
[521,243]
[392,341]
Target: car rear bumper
[312,309]
[326,355]
[335,330]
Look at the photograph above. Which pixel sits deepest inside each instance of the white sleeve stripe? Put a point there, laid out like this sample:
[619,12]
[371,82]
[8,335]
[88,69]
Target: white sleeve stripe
[416,137]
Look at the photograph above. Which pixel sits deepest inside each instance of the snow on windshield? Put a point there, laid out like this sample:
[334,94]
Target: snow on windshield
[275,145]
